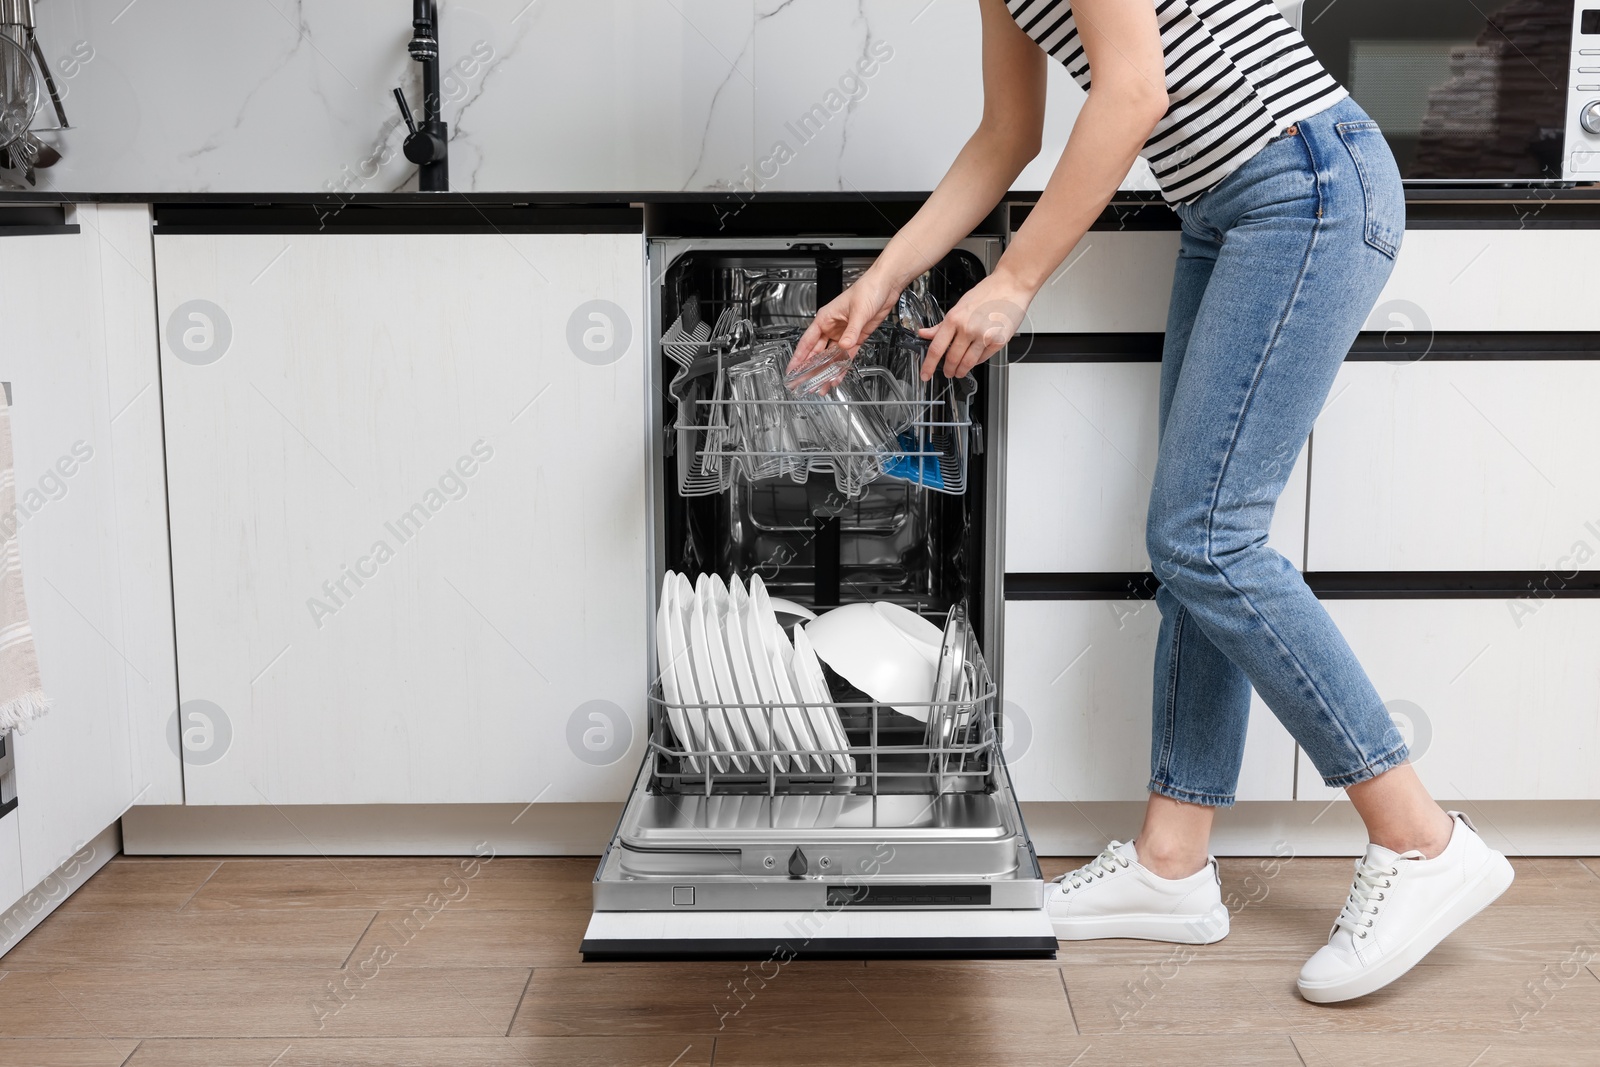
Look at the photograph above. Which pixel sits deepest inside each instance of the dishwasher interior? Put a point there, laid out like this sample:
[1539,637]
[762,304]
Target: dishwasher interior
[875,827]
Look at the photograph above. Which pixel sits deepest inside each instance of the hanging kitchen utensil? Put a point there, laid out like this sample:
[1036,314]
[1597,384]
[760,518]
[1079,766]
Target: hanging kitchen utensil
[20,149]
[19,91]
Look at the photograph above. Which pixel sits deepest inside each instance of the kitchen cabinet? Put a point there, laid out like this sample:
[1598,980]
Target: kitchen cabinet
[80,358]
[1113,281]
[1078,683]
[1462,465]
[11,887]
[1500,698]
[408,500]
[1491,280]
[1429,463]
[1461,280]
[1080,452]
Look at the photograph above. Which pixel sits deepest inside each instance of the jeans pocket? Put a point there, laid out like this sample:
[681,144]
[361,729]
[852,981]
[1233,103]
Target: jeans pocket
[1382,194]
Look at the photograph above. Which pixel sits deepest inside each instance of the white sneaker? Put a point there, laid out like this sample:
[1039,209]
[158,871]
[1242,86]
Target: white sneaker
[1113,896]
[1399,907]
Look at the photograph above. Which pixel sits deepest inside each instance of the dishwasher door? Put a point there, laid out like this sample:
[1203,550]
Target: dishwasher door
[918,850]
[819,877]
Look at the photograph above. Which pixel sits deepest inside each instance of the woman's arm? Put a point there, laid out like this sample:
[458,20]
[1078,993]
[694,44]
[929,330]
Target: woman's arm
[1127,97]
[1005,141]
[1122,44]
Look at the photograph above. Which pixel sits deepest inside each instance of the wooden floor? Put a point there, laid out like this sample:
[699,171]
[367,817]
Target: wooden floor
[389,962]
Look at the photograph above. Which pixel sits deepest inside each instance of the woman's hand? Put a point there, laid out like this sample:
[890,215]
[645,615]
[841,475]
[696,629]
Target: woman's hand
[849,317]
[980,324]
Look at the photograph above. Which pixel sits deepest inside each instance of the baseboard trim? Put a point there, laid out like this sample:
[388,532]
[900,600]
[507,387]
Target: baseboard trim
[37,903]
[368,829]
[1250,828]
[1318,828]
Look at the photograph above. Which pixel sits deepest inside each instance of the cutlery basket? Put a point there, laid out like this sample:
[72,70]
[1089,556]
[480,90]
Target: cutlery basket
[888,751]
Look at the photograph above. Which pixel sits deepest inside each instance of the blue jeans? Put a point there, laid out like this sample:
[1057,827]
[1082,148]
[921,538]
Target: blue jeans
[1278,267]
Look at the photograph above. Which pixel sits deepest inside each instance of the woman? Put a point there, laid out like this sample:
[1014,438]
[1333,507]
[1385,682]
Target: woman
[1292,212]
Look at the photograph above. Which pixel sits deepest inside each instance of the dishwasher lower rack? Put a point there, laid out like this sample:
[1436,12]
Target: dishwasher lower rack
[927,748]
[919,850]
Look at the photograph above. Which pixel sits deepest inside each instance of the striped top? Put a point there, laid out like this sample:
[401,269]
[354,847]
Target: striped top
[1237,73]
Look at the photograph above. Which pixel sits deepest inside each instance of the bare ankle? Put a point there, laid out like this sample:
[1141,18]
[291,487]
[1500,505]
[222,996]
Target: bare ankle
[1430,841]
[1399,814]
[1168,860]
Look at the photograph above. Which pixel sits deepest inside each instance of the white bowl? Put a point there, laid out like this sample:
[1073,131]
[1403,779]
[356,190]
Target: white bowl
[789,607]
[886,651]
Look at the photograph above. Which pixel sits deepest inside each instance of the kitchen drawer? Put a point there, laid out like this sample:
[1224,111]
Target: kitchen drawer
[1112,282]
[1080,450]
[1077,689]
[1502,697]
[1456,466]
[1471,280]
[1492,280]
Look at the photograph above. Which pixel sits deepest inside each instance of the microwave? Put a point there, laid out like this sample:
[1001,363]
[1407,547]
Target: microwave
[1504,91]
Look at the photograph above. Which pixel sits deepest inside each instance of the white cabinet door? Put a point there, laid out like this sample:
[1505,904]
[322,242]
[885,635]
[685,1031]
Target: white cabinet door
[1457,466]
[11,887]
[1078,682]
[1443,280]
[1500,700]
[1113,281]
[408,519]
[1487,280]
[80,354]
[1080,451]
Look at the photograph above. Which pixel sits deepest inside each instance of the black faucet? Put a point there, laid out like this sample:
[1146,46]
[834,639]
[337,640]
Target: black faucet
[428,144]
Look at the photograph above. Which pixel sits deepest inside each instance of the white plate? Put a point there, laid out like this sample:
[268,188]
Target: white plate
[718,616]
[823,719]
[682,670]
[744,673]
[763,604]
[703,640]
[812,685]
[683,658]
[788,724]
[671,692]
[787,695]
[705,676]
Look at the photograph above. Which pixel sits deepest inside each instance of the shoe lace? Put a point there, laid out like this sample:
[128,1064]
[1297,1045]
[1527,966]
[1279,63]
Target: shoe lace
[1367,894]
[1108,862]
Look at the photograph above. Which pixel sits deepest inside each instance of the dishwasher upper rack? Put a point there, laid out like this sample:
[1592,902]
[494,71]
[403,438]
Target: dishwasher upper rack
[954,751]
[932,429]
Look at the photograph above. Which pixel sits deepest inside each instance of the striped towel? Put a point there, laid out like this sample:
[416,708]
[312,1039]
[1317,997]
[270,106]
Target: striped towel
[22,698]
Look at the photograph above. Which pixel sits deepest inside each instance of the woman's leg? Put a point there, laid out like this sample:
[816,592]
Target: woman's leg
[1174,839]
[1294,276]
[1200,698]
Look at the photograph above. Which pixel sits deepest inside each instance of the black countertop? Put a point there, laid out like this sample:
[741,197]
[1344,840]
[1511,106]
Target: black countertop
[723,214]
[1415,191]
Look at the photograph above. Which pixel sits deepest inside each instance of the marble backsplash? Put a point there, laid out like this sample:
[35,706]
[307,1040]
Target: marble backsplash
[294,96]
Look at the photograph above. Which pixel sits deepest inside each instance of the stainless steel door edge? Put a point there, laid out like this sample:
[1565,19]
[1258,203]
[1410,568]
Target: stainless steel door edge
[716,874]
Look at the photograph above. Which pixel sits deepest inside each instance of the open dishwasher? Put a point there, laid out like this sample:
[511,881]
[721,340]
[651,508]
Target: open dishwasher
[890,828]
